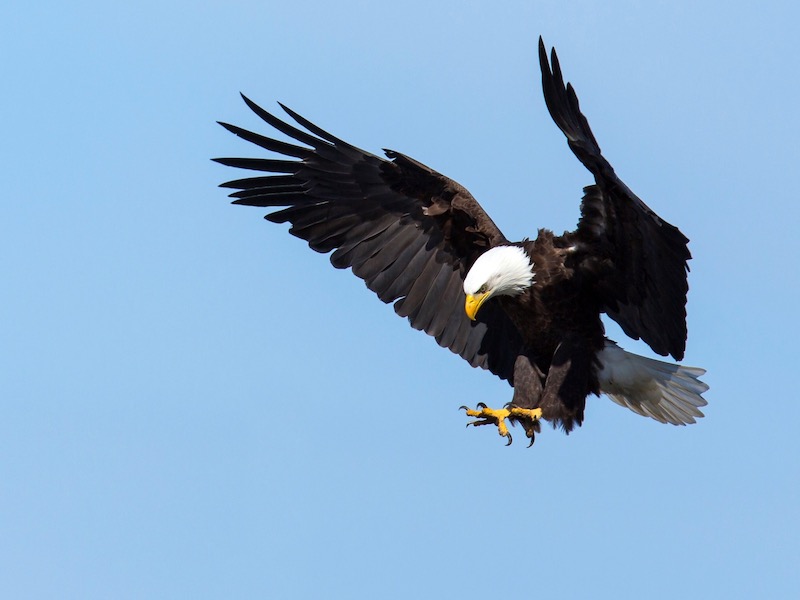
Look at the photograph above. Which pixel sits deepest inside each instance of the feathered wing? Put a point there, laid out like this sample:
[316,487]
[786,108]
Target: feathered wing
[409,232]
[644,285]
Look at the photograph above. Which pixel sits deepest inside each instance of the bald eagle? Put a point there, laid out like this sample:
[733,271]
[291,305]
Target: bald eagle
[529,311]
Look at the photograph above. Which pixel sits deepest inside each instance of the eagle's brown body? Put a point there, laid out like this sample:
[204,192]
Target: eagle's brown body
[561,331]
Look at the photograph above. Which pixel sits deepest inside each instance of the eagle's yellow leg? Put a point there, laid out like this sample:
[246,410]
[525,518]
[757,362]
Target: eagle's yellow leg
[498,416]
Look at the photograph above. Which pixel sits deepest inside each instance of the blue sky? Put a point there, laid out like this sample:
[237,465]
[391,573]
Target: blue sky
[195,405]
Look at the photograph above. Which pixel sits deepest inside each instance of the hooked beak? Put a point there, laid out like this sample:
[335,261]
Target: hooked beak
[473,303]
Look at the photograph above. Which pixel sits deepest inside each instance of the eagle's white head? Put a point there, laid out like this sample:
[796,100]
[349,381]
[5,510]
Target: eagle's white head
[501,271]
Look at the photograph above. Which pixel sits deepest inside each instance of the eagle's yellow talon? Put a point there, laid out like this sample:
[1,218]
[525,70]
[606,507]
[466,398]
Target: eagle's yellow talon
[498,416]
[534,414]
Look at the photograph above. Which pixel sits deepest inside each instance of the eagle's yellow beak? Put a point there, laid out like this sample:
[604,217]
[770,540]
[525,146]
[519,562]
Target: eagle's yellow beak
[473,303]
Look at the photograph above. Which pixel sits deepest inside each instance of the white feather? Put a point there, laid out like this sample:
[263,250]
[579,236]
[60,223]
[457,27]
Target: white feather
[504,270]
[663,391]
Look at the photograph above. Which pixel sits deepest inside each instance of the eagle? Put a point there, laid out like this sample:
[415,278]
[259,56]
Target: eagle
[529,311]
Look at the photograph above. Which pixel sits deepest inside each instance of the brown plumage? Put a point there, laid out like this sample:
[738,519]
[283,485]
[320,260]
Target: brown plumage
[413,234]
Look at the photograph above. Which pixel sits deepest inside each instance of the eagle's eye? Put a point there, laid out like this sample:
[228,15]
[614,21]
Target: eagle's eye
[483,289]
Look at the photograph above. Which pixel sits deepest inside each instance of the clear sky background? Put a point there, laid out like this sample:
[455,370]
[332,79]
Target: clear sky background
[195,405]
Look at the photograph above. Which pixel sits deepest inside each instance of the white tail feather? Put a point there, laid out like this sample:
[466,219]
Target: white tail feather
[663,391]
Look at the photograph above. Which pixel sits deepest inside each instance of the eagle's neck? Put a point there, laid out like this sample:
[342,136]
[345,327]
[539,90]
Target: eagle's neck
[502,270]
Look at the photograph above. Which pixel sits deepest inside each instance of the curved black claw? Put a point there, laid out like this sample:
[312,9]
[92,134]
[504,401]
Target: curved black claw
[533,439]
[462,407]
[510,439]
[481,405]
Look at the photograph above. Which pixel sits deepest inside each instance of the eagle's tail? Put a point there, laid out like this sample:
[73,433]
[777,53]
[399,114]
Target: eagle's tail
[666,392]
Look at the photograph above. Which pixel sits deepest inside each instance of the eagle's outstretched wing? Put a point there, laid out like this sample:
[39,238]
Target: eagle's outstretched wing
[645,289]
[409,232]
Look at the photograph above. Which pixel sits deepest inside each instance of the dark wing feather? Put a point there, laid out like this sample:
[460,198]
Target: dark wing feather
[644,284]
[409,232]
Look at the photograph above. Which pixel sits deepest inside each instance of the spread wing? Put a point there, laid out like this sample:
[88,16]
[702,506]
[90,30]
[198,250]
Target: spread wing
[409,232]
[645,288]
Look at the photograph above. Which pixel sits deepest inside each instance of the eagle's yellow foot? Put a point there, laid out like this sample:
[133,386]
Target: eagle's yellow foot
[497,416]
